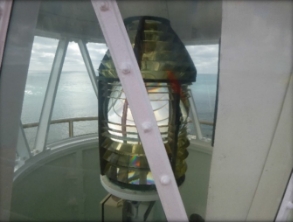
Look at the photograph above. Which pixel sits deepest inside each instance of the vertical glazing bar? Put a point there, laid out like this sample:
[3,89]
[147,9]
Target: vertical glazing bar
[195,117]
[48,104]
[23,149]
[88,63]
[14,70]
[70,128]
[5,8]
[130,77]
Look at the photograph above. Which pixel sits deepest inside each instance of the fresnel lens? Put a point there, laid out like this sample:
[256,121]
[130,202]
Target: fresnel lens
[167,70]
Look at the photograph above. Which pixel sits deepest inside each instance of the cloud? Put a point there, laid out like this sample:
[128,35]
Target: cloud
[44,50]
[205,58]
[97,52]
[73,59]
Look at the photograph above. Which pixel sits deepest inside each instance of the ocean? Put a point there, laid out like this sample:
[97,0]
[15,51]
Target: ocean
[75,98]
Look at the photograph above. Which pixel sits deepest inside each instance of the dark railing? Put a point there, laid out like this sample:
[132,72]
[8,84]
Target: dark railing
[70,122]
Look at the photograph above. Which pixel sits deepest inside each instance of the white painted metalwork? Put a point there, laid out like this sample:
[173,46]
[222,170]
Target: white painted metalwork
[286,205]
[252,155]
[69,121]
[48,104]
[195,117]
[129,73]
[5,9]
[278,166]
[88,64]
[23,150]
[128,194]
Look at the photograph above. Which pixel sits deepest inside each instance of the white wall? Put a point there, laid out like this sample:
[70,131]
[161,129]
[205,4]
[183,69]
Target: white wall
[255,66]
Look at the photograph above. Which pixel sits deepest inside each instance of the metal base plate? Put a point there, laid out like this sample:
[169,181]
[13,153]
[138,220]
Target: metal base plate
[127,194]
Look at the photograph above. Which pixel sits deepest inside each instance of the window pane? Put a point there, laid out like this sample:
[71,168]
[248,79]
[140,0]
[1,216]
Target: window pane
[60,180]
[205,58]
[75,95]
[42,56]
[97,52]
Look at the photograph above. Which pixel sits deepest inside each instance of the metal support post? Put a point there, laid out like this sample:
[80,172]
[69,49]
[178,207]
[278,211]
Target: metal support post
[5,8]
[23,149]
[195,117]
[130,77]
[88,63]
[48,104]
[137,211]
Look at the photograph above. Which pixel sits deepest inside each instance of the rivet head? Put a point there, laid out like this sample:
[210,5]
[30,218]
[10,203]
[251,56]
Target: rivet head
[104,7]
[165,180]
[147,127]
[125,68]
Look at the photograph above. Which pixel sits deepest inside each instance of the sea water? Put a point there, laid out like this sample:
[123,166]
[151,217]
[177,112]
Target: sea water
[75,97]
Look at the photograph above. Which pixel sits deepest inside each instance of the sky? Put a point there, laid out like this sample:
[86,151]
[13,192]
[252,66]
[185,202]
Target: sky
[205,57]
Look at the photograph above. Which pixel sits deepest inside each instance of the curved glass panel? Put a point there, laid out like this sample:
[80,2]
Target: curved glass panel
[122,144]
[167,69]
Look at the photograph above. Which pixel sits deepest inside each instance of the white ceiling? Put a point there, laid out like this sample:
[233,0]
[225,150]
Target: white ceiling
[195,22]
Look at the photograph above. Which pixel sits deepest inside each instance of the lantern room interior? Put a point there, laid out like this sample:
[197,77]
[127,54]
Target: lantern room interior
[76,151]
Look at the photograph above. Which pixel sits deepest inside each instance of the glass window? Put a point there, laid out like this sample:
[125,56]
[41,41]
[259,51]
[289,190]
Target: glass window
[75,98]
[205,58]
[57,172]
[97,52]
[72,101]
[42,56]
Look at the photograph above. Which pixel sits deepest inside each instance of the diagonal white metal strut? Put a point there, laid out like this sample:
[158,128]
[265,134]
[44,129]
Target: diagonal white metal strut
[129,74]
[48,105]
